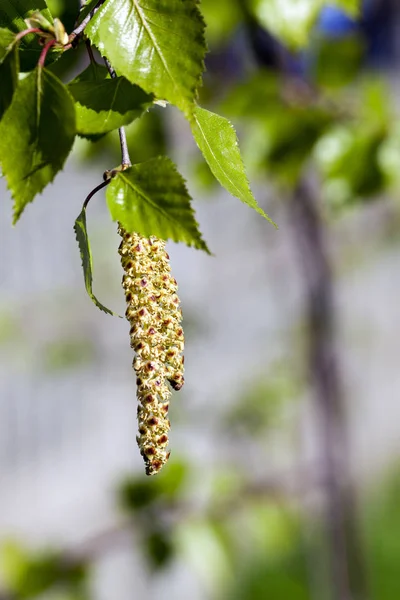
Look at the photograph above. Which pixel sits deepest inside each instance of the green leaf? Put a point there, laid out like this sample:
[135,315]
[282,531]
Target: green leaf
[102,106]
[12,15]
[9,68]
[216,138]
[292,20]
[36,136]
[94,72]
[158,44]
[151,198]
[87,263]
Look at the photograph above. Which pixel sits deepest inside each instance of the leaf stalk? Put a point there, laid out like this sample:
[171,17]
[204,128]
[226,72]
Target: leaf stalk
[42,58]
[125,158]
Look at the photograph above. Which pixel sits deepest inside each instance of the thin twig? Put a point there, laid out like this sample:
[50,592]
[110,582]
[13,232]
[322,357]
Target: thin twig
[90,52]
[79,28]
[126,159]
[22,34]
[94,191]
[43,54]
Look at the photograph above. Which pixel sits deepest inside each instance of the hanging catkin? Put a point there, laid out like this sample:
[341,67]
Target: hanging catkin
[156,336]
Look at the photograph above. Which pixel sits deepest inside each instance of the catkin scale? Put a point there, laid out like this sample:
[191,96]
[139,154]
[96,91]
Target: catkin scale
[156,336]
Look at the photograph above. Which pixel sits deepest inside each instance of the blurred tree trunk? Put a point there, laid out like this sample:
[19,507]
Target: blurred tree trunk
[347,576]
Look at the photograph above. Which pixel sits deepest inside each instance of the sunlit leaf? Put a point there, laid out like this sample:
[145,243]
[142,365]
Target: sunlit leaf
[36,136]
[217,140]
[151,198]
[157,44]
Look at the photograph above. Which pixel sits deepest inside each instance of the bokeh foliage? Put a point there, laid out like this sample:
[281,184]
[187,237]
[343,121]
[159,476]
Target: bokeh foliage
[248,539]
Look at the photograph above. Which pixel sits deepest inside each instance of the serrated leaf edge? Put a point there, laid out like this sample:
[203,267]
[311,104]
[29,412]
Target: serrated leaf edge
[81,229]
[138,190]
[191,102]
[17,214]
[239,195]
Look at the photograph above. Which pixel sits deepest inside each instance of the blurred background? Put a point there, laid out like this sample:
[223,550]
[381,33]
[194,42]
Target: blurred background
[283,482]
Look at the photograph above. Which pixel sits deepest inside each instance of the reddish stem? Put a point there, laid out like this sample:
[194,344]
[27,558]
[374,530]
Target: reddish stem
[22,34]
[92,193]
[44,52]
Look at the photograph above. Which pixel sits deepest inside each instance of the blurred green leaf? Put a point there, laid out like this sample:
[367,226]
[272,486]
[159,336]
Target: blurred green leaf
[349,161]
[338,61]
[159,548]
[262,402]
[203,548]
[289,134]
[283,121]
[292,20]
[252,99]
[280,582]
[351,7]
[389,156]
[349,155]
[139,493]
[10,327]
[381,518]
[28,575]
[67,354]
[222,18]
[271,561]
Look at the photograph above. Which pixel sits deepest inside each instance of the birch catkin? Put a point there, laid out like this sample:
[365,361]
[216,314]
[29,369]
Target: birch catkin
[156,336]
